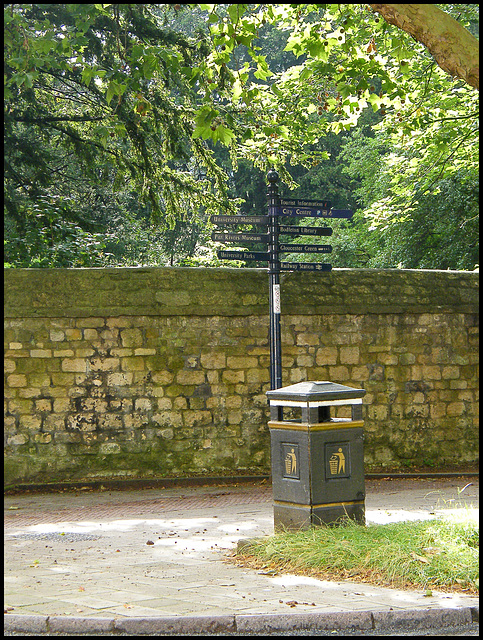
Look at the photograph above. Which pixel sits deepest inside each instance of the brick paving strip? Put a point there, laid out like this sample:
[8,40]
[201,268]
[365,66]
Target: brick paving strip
[151,507]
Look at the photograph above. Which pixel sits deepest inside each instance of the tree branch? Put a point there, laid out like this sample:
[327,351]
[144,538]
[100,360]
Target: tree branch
[47,119]
[453,47]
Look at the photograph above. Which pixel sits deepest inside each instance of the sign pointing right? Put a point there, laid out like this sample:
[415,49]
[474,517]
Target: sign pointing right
[315,212]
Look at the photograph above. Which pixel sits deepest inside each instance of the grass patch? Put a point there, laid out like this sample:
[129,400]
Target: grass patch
[440,553]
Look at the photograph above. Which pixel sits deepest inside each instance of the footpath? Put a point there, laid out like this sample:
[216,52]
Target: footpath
[153,561]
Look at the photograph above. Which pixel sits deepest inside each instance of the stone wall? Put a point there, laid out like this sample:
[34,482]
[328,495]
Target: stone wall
[156,372]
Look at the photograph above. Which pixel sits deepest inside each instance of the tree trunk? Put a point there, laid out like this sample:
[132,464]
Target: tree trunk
[453,47]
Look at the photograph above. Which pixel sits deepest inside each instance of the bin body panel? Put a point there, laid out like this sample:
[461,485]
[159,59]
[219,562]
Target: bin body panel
[337,465]
[317,474]
[290,451]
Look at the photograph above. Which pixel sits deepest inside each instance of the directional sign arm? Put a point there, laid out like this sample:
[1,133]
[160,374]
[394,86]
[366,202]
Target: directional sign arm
[243,255]
[305,231]
[306,248]
[240,237]
[305,266]
[320,204]
[238,219]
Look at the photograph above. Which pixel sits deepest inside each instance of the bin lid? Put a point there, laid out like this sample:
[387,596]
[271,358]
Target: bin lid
[314,392]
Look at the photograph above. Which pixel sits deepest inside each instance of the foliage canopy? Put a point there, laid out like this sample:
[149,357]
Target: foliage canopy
[117,116]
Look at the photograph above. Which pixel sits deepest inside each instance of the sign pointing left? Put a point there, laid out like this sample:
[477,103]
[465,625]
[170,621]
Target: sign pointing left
[239,237]
[243,255]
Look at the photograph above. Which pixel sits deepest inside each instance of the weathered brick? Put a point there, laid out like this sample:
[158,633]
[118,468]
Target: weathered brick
[90,322]
[43,404]
[30,422]
[143,404]
[451,372]
[350,355]
[17,380]
[63,379]
[431,373]
[326,355]
[104,364]
[61,405]
[190,377]
[307,339]
[196,418]
[74,365]
[144,352]
[131,338]
[20,405]
[119,322]
[119,379]
[18,439]
[73,334]
[241,362]
[9,366]
[134,363]
[43,438]
[233,376]
[455,408]
[63,353]
[257,375]
[84,352]
[110,421]
[304,361]
[56,335]
[213,360]
[339,374]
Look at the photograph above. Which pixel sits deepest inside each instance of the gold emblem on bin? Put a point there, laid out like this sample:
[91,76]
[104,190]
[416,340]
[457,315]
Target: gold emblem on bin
[337,463]
[337,460]
[290,460]
[291,463]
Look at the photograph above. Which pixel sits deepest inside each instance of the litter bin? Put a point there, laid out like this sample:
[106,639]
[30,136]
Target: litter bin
[317,460]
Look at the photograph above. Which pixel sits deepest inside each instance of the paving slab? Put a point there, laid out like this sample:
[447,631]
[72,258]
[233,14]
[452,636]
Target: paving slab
[118,559]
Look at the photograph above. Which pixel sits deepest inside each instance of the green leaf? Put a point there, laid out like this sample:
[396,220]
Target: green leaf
[87,75]
[111,90]
[233,12]
[222,134]
[202,131]
[237,90]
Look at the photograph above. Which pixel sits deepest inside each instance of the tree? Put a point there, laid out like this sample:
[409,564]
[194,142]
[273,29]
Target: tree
[352,61]
[99,98]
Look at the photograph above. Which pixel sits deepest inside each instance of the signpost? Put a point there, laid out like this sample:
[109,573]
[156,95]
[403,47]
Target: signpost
[327,450]
[240,237]
[278,207]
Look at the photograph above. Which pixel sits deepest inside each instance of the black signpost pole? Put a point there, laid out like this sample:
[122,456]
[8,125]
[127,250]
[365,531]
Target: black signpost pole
[274,282]
[278,210]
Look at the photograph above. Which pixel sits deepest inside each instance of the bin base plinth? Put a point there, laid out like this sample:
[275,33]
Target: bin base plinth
[292,517]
